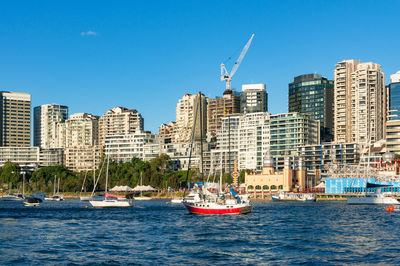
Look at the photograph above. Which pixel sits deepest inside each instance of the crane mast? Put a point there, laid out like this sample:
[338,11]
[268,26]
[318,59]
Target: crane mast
[225,76]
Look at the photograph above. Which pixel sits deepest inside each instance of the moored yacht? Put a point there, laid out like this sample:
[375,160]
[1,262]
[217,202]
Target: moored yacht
[370,198]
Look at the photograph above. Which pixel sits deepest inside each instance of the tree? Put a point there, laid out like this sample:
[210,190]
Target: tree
[10,173]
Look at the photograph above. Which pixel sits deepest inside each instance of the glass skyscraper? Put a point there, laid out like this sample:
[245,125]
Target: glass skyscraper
[394,101]
[313,94]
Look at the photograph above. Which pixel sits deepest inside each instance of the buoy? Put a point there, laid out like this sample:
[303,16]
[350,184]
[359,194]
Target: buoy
[86,206]
[390,209]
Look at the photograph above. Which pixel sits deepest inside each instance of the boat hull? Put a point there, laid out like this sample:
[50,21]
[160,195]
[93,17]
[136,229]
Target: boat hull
[85,198]
[110,203]
[218,210]
[372,201]
[142,198]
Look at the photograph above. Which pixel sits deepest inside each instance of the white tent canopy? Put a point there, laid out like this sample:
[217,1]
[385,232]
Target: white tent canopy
[143,188]
[321,185]
[121,189]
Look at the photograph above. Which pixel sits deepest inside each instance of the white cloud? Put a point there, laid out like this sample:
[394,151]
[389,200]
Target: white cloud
[88,33]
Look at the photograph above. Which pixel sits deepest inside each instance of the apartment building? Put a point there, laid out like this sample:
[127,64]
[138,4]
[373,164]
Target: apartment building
[186,111]
[45,120]
[167,132]
[15,119]
[359,102]
[119,121]
[253,98]
[125,147]
[82,158]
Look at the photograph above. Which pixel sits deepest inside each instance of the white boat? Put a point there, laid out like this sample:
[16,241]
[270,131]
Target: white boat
[110,201]
[141,197]
[83,198]
[290,196]
[12,197]
[177,200]
[372,198]
[55,197]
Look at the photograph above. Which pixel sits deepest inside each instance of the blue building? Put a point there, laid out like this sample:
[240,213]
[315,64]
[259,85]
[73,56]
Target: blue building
[394,96]
[357,185]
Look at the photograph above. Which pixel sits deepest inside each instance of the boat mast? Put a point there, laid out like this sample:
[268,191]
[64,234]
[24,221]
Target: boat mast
[54,186]
[201,139]
[108,162]
[191,149]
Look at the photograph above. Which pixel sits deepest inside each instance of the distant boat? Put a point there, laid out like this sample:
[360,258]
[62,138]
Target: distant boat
[290,196]
[370,198]
[32,202]
[110,201]
[141,191]
[177,200]
[86,198]
[55,197]
[12,197]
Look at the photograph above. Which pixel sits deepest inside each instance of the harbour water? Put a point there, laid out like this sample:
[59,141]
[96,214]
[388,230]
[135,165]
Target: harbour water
[154,232]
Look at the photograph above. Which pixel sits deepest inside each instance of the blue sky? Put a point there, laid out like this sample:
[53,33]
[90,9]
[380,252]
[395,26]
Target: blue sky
[95,55]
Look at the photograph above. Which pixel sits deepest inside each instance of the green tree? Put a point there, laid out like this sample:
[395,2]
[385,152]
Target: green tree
[10,173]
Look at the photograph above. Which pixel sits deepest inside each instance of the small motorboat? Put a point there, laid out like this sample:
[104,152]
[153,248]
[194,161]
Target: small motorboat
[142,198]
[177,200]
[32,202]
[12,197]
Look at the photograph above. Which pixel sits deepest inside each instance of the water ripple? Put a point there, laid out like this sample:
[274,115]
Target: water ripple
[153,232]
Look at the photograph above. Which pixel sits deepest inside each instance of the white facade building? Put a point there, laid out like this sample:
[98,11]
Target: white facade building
[125,147]
[46,118]
[360,109]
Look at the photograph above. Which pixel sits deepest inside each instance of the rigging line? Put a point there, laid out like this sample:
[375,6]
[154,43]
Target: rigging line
[191,149]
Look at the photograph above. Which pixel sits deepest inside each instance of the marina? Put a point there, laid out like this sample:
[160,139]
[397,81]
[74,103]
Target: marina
[155,232]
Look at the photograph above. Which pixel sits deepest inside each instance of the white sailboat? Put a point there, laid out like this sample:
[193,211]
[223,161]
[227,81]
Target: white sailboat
[141,197]
[56,196]
[109,200]
[85,198]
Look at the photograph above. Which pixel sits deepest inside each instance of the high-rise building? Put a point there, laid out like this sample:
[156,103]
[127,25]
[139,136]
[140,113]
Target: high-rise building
[254,98]
[120,121]
[393,124]
[81,129]
[394,96]
[45,118]
[359,102]
[220,107]
[15,119]
[313,94]
[186,111]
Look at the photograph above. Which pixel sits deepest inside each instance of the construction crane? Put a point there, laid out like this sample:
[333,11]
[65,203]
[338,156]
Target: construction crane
[224,73]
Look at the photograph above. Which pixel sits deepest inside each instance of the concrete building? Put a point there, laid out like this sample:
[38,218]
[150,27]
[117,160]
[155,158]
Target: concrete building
[270,180]
[185,118]
[82,158]
[323,155]
[167,132]
[81,129]
[31,158]
[359,102]
[220,107]
[291,130]
[125,147]
[313,94]
[253,98]
[119,121]
[249,138]
[15,119]
[45,119]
